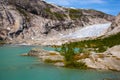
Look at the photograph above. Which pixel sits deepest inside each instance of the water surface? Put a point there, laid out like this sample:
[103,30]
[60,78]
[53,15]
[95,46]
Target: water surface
[16,67]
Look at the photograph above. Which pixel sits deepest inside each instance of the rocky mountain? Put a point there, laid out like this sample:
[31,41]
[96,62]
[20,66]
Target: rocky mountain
[115,26]
[36,21]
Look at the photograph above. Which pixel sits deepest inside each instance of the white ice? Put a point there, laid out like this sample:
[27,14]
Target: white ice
[89,31]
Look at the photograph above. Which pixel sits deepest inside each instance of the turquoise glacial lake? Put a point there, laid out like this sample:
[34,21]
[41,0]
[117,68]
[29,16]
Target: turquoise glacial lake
[16,67]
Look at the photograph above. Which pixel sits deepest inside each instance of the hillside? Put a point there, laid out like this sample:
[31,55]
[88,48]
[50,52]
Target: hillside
[36,21]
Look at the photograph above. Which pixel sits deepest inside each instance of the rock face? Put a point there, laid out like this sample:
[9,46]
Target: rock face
[115,26]
[109,60]
[27,21]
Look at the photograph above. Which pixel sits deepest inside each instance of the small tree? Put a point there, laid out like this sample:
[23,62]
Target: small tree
[68,51]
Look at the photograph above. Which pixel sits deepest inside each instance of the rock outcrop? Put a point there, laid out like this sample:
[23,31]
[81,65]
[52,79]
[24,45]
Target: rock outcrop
[114,51]
[115,26]
[27,21]
[109,60]
[47,56]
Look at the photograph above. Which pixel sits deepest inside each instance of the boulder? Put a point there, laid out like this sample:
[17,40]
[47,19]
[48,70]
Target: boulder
[38,52]
[114,51]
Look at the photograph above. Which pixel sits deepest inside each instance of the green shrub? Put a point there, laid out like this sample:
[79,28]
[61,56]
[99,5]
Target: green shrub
[74,64]
[69,54]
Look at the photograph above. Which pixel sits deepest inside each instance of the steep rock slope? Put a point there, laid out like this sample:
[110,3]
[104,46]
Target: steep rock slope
[115,26]
[23,21]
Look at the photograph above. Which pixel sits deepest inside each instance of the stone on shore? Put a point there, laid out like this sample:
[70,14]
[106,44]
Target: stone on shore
[47,56]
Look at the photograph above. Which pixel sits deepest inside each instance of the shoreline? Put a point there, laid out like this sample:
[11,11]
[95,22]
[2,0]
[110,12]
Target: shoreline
[102,61]
[98,58]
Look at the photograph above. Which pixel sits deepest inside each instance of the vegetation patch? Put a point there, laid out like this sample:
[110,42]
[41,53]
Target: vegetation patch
[75,14]
[71,57]
[2,42]
[99,44]
[59,16]
[74,64]
[55,15]
[52,61]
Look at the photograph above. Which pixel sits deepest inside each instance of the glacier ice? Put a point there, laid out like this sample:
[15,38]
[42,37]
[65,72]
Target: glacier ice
[89,31]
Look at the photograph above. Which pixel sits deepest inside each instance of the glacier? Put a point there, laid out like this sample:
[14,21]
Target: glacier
[89,31]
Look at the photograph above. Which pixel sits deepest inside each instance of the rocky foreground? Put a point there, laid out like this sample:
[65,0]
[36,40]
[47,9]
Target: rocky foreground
[109,60]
